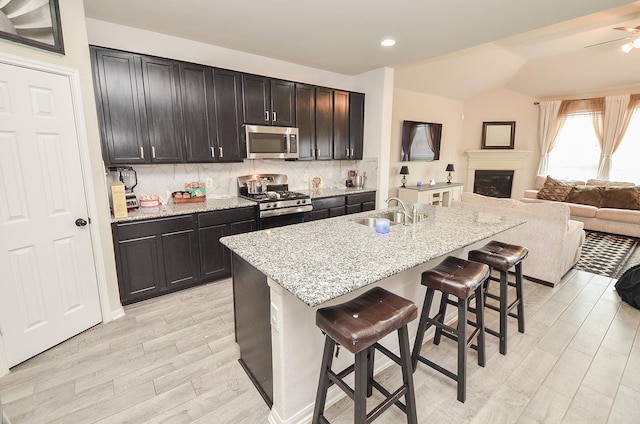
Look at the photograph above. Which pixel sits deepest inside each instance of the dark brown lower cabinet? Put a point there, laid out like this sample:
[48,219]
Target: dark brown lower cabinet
[162,255]
[328,207]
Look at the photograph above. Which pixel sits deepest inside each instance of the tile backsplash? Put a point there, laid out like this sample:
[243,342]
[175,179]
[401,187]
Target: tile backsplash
[163,179]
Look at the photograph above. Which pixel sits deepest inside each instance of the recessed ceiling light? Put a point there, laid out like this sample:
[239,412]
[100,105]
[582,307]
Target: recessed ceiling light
[388,42]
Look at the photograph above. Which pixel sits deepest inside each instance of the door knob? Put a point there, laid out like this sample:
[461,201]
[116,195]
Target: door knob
[81,222]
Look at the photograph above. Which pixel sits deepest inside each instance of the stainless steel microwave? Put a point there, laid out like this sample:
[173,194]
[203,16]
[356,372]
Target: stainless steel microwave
[264,142]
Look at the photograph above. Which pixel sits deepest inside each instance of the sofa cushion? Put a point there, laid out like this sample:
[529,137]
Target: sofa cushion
[620,215]
[586,195]
[584,211]
[556,190]
[621,198]
[610,183]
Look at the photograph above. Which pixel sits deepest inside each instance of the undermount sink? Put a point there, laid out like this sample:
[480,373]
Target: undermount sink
[393,217]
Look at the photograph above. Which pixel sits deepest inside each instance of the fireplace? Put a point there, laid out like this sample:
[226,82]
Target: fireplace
[499,160]
[493,183]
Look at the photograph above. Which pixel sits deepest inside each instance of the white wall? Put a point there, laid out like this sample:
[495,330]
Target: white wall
[77,57]
[412,106]
[502,105]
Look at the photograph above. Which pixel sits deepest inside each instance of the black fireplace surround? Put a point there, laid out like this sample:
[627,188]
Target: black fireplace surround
[493,183]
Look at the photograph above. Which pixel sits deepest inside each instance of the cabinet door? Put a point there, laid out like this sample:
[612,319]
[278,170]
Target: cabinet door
[243,227]
[324,123]
[196,84]
[354,208]
[306,120]
[214,257]
[256,100]
[164,114]
[118,86]
[180,252]
[283,107]
[356,125]
[341,148]
[337,211]
[317,214]
[140,274]
[228,99]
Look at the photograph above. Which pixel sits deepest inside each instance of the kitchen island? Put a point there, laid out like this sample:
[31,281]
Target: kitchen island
[282,275]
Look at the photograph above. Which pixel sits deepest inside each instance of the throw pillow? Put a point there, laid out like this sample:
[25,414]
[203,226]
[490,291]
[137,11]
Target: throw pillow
[623,197]
[555,190]
[586,195]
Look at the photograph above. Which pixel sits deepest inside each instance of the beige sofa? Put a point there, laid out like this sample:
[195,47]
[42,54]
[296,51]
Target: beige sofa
[554,241]
[606,219]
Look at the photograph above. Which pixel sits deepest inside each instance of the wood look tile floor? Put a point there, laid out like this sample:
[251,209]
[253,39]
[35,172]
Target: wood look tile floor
[174,360]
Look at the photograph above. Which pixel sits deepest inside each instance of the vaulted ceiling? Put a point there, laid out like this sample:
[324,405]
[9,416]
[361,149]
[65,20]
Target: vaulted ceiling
[448,48]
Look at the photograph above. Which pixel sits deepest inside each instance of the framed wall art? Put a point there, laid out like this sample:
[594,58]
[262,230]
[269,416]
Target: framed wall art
[32,22]
[498,135]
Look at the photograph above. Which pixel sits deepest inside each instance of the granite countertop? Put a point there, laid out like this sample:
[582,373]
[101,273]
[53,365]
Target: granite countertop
[172,209]
[321,260]
[317,193]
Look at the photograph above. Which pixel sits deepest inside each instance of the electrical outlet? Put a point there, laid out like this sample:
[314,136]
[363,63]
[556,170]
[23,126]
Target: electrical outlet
[209,182]
[275,317]
[305,178]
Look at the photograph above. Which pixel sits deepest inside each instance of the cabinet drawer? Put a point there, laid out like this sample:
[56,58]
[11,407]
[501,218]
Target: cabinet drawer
[132,230]
[207,219]
[353,199]
[328,202]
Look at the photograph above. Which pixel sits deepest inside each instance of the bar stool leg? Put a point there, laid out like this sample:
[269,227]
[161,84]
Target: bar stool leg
[462,349]
[360,382]
[440,317]
[323,385]
[504,286]
[520,294]
[407,375]
[422,326]
[370,363]
[480,324]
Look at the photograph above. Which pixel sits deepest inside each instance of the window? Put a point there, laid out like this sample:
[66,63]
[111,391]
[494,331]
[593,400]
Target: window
[576,153]
[624,163]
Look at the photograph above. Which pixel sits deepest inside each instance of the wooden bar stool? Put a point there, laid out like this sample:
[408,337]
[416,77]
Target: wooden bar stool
[464,280]
[358,325]
[503,257]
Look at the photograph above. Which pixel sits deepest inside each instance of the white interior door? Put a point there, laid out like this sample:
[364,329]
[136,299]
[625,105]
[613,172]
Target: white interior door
[48,283]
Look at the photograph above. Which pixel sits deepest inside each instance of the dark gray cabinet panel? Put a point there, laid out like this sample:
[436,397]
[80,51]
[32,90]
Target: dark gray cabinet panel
[139,275]
[163,110]
[306,121]
[341,148]
[121,110]
[180,252]
[268,101]
[228,106]
[356,125]
[324,123]
[196,83]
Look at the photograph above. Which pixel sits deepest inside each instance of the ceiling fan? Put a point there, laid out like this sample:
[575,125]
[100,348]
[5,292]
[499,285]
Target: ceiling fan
[627,47]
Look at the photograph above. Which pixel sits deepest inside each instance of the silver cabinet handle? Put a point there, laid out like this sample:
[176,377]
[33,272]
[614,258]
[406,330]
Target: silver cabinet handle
[213,153]
[153,152]
[220,150]
[274,117]
[141,152]
[347,152]
[351,153]
[266,115]
[313,152]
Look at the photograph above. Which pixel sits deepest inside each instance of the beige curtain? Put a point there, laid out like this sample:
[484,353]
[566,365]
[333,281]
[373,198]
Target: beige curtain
[617,116]
[549,124]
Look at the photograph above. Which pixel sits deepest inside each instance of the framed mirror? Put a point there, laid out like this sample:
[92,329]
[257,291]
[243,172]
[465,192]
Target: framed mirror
[498,135]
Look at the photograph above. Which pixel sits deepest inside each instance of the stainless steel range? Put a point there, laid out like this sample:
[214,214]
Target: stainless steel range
[276,204]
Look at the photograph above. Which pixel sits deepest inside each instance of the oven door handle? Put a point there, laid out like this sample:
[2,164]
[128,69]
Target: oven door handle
[285,211]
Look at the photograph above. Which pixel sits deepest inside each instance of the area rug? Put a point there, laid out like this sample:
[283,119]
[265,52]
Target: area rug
[608,254]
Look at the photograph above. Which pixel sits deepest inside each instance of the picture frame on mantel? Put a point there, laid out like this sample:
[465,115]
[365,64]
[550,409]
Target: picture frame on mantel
[35,24]
[498,135]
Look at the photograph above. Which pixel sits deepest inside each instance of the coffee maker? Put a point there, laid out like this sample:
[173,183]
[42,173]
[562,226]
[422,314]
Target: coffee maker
[127,176]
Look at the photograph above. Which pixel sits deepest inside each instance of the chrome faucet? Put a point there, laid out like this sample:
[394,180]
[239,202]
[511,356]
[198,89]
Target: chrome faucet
[407,215]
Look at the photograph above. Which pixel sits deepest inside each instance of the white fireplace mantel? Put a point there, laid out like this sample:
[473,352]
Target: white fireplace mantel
[498,160]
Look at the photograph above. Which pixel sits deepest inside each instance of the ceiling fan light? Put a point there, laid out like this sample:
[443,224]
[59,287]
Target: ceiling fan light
[636,43]
[627,47]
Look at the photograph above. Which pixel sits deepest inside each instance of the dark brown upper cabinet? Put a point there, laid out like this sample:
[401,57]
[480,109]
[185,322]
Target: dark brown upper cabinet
[306,121]
[324,124]
[198,107]
[268,101]
[228,97]
[163,109]
[341,148]
[121,106]
[356,125]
